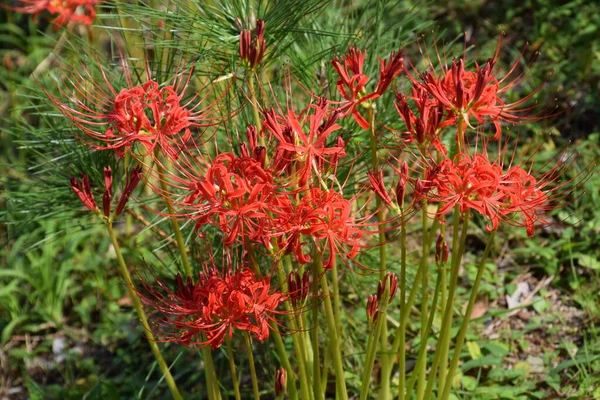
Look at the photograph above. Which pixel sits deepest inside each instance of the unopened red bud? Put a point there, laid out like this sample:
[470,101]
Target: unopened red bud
[251,134]
[441,250]
[132,181]
[83,190]
[373,307]
[244,150]
[393,282]
[280,381]
[260,154]
[107,197]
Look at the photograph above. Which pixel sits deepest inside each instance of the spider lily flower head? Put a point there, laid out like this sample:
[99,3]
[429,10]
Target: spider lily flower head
[63,11]
[235,194]
[469,95]
[513,195]
[252,48]
[83,190]
[137,119]
[302,140]
[325,217]
[218,304]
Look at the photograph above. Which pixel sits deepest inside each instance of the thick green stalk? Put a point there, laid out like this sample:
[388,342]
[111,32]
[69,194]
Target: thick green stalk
[234,378]
[457,253]
[424,299]
[372,345]
[401,334]
[174,224]
[317,389]
[422,355]
[210,374]
[142,315]
[336,352]
[291,384]
[386,359]
[465,324]
[297,336]
[248,342]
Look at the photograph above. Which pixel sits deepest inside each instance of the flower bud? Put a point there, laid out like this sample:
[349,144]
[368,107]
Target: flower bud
[280,381]
[441,250]
[107,197]
[373,308]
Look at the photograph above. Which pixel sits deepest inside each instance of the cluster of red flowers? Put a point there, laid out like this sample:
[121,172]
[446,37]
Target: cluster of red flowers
[280,194]
[64,11]
[209,310]
[475,183]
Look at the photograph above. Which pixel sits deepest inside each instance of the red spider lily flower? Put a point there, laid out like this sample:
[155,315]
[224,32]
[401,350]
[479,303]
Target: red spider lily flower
[151,115]
[64,11]
[376,181]
[515,195]
[205,312]
[306,149]
[252,49]
[235,194]
[83,190]
[327,218]
[351,85]
[424,128]
[468,95]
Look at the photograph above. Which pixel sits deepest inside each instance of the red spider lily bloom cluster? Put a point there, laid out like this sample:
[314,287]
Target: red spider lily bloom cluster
[64,11]
[352,83]
[211,309]
[252,49]
[468,95]
[83,190]
[151,115]
[476,183]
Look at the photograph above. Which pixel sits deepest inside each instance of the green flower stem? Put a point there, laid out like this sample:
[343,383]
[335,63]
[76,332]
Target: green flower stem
[465,323]
[248,342]
[254,101]
[210,374]
[386,358]
[336,352]
[422,355]
[372,345]
[424,299]
[234,378]
[174,224]
[297,336]
[458,246]
[317,389]
[291,384]
[412,295]
[402,329]
[142,315]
